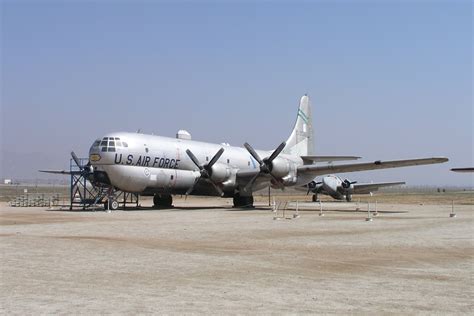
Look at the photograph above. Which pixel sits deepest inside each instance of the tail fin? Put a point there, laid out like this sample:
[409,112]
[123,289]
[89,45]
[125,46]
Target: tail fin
[300,142]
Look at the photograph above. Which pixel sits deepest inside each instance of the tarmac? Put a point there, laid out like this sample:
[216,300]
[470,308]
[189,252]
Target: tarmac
[205,257]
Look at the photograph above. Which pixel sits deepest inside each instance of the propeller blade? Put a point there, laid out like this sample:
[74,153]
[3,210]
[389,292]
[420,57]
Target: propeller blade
[250,183]
[193,158]
[276,152]
[215,158]
[277,183]
[216,187]
[253,153]
[191,189]
[76,160]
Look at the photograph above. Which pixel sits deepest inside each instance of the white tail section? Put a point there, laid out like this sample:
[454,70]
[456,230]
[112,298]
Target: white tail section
[300,142]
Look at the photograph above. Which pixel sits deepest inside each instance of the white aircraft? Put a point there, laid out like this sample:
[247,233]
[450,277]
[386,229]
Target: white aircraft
[340,189]
[162,166]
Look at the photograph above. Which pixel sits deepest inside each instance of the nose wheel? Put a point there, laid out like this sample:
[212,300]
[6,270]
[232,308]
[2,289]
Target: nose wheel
[111,205]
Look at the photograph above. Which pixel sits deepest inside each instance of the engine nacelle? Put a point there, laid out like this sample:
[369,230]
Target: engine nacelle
[220,172]
[280,167]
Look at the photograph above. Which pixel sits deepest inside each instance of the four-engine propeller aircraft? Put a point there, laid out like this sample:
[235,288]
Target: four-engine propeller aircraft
[162,166]
[340,189]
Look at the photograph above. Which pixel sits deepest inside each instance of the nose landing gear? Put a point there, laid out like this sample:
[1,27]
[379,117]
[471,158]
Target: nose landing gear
[111,204]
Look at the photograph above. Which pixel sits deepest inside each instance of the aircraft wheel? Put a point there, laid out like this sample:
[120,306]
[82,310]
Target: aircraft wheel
[348,198]
[114,205]
[162,200]
[243,201]
[315,198]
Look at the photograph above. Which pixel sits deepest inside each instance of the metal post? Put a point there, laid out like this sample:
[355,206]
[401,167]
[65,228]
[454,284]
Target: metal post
[452,210]
[358,205]
[269,202]
[368,218]
[321,208]
[376,213]
[296,215]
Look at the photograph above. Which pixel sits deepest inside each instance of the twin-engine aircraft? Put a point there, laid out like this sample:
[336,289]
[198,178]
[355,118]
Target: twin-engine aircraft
[340,189]
[162,166]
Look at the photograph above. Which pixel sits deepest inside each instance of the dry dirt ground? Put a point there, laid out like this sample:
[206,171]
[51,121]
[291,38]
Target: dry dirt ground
[205,257]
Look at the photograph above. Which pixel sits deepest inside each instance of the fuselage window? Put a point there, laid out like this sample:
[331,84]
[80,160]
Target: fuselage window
[111,143]
[124,144]
[104,148]
[111,149]
[103,143]
[96,143]
[118,143]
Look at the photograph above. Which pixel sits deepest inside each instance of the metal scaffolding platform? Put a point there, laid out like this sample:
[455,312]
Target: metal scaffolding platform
[84,194]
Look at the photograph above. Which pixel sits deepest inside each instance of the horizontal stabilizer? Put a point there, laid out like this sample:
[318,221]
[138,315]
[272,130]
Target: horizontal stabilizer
[313,159]
[329,169]
[60,171]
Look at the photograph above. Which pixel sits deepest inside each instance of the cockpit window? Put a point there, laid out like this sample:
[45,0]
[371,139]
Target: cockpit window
[109,144]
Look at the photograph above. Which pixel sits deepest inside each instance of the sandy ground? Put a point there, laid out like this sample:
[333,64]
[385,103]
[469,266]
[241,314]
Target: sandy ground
[204,257]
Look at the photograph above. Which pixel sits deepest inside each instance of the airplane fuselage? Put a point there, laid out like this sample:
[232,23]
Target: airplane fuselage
[141,163]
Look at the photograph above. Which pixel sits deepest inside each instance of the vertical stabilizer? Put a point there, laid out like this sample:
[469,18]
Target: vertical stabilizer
[300,142]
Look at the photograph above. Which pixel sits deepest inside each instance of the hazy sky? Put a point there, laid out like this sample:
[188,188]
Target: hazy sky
[387,79]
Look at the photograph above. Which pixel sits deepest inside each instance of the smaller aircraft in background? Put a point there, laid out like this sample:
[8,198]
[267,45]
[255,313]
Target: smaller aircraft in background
[471,169]
[342,189]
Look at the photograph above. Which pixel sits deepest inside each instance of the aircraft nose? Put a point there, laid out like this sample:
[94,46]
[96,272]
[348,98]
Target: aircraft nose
[94,152]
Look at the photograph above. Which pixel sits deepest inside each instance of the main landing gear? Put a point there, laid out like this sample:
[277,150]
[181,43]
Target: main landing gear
[243,201]
[161,200]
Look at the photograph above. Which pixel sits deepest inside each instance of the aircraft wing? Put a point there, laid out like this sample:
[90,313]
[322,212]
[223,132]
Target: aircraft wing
[60,171]
[365,188]
[329,169]
[463,169]
[313,159]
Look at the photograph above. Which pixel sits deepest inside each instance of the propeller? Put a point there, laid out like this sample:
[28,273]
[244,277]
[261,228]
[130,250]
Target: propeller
[265,164]
[312,185]
[85,170]
[205,170]
[346,184]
